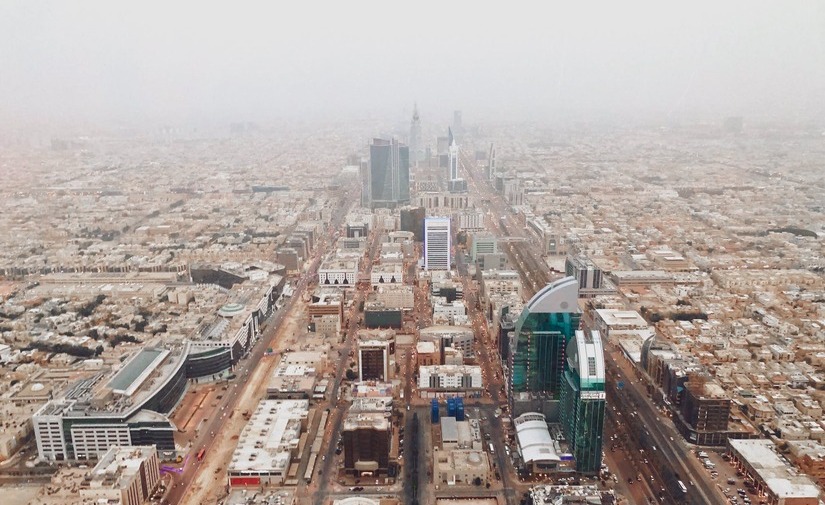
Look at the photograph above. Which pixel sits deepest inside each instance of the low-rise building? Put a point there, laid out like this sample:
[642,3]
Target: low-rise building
[457,434]
[17,427]
[379,315]
[451,310]
[326,301]
[492,261]
[539,452]
[459,337]
[291,382]
[427,354]
[460,467]
[773,476]
[126,407]
[565,494]
[610,322]
[641,278]
[125,475]
[268,443]
[396,297]
[327,324]
[387,275]
[452,356]
[338,272]
[439,380]
[809,456]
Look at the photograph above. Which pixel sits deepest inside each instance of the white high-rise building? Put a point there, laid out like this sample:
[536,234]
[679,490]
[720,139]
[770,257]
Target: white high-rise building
[437,243]
[454,162]
[491,163]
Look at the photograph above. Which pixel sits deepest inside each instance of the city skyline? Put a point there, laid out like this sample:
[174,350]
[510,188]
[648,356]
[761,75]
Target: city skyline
[327,253]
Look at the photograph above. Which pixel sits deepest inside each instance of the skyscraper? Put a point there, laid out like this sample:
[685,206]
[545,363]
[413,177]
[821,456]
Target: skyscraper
[364,176]
[416,149]
[583,400]
[389,173]
[458,128]
[437,243]
[545,326]
[491,163]
[453,162]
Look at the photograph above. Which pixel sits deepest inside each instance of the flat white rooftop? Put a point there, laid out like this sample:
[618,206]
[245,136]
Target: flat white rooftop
[272,434]
[780,477]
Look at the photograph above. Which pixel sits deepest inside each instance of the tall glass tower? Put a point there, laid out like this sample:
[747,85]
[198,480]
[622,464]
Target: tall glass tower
[546,325]
[389,173]
[583,400]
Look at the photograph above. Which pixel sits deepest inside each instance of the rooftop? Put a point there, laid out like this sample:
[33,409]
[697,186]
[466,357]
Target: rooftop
[613,317]
[141,377]
[780,477]
[120,465]
[136,370]
[366,420]
[382,404]
[270,437]
[534,440]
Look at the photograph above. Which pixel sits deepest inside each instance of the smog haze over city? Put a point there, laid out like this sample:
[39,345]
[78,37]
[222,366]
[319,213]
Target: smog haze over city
[200,61]
[442,253]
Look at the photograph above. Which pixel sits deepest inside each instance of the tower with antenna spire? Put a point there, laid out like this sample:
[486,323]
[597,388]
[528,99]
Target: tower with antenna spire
[416,150]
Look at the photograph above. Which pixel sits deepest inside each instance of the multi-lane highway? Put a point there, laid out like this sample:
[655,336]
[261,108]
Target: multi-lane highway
[503,223]
[211,431]
[653,445]
[668,455]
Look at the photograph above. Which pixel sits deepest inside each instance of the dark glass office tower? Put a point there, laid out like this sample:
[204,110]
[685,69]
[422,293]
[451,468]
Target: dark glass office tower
[389,174]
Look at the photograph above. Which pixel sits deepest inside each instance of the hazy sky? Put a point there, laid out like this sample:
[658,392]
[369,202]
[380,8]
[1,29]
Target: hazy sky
[187,61]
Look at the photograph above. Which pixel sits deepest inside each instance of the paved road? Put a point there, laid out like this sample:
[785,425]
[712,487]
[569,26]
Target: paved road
[211,430]
[488,358]
[182,482]
[669,455]
[326,469]
[532,269]
[489,417]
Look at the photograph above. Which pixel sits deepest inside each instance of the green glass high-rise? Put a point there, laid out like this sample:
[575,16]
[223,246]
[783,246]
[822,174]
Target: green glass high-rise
[546,325]
[583,400]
